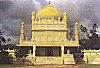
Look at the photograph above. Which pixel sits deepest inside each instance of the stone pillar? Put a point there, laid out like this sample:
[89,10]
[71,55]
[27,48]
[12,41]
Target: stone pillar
[68,51]
[29,51]
[62,51]
[34,49]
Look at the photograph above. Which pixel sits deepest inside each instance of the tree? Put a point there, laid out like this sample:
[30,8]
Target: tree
[21,52]
[71,32]
[93,40]
[83,29]
[8,39]
[4,57]
[2,39]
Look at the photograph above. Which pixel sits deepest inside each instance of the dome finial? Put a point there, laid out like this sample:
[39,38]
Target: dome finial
[49,2]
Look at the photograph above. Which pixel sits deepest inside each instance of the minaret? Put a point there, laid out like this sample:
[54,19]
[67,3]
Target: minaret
[33,18]
[76,32]
[65,24]
[22,33]
[65,20]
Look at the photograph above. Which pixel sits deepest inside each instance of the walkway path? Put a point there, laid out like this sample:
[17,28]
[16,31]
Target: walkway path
[50,66]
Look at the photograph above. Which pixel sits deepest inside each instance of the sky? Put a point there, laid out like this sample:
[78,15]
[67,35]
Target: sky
[86,12]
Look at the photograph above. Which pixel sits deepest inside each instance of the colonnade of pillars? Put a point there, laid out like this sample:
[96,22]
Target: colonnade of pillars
[34,52]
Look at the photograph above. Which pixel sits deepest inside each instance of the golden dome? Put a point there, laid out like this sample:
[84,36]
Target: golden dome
[48,12]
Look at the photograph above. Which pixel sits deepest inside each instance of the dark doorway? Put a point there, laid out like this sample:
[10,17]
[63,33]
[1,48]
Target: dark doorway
[71,49]
[48,51]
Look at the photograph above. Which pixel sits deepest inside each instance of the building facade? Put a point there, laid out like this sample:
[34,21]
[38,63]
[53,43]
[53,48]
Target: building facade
[49,43]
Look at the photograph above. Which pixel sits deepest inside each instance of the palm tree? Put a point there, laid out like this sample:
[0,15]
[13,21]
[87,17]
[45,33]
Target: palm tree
[2,39]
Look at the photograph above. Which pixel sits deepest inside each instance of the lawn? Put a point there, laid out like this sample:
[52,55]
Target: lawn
[89,66]
[10,65]
[48,66]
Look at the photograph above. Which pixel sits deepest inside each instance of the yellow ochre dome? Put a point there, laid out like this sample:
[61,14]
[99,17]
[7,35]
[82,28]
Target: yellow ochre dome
[48,12]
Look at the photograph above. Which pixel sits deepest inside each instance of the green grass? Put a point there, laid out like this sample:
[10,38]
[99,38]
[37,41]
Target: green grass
[21,65]
[89,66]
[10,65]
